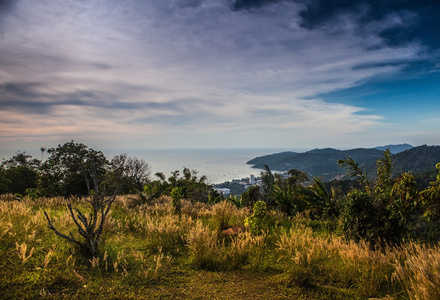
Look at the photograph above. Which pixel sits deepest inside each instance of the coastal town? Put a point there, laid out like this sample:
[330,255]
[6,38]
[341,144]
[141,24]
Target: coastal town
[237,186]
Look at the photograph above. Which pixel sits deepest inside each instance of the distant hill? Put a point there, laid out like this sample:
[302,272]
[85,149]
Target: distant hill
[323,162]
[395,148]
[417,159]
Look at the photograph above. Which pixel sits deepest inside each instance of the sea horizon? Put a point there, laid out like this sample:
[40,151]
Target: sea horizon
[218,164]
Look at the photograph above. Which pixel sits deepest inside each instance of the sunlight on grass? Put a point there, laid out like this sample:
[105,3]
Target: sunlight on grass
[150,249]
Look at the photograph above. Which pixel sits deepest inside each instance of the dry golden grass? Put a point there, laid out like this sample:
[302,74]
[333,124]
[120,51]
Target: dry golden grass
[419,271]
[142,243]
[346,263]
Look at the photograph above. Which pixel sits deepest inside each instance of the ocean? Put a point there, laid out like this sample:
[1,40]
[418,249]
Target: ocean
[219,165]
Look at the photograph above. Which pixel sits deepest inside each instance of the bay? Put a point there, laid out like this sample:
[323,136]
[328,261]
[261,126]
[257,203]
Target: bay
[219,165]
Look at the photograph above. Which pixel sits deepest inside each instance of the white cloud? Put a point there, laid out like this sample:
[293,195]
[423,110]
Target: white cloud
[212,69]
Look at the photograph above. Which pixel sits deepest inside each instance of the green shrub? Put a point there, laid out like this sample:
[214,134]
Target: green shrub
[176,195]
[256,222]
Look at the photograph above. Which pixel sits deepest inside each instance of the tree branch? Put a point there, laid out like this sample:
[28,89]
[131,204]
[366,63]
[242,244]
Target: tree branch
[51,227]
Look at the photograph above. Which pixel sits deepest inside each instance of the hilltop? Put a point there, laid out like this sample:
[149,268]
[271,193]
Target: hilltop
[323,162]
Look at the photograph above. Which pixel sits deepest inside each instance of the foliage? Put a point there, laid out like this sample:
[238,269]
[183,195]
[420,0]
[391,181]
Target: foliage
[18,174]
[381,211]
[4,183]
[267,188]
[19,179]
[256,222]
[176,195]
[21,159]
[358,216]
[324,205]
[288,194]
[354,171]
[132,173]
[430,199]
[190,187]
[251,196]
[90,228]
[237,201]
[67,171]
[290,236]
[68,163]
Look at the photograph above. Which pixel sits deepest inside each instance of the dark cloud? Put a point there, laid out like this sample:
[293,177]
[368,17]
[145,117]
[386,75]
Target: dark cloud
[27,98]
[325,14]
[189,3]
[249,4]
[426,28]
[17,90]
[6,7]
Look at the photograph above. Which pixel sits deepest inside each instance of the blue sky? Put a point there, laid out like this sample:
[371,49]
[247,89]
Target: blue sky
[219,73]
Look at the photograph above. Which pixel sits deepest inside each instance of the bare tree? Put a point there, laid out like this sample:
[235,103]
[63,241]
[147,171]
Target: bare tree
[89,227]
[133,171]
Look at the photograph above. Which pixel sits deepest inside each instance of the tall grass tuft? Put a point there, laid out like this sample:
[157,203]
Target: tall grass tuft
[210,251]
[226,215]
[310,259]
[22,252]
[204,247]
[419,271]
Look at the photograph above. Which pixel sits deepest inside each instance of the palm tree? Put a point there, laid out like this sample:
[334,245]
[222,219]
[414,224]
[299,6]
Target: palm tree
[42,149]
[320,200]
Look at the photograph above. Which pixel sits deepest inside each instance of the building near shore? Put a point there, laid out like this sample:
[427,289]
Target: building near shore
[223,191]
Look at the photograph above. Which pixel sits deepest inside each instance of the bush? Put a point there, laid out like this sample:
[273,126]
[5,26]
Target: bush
[256,222]
[358,217]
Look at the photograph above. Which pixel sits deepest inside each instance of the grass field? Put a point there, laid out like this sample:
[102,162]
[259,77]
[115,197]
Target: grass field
[149,252]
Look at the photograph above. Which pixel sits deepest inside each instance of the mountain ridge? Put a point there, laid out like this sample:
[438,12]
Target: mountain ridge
[323,162]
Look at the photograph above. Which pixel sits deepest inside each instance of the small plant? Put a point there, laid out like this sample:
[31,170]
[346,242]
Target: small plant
[256,221]
[176,195]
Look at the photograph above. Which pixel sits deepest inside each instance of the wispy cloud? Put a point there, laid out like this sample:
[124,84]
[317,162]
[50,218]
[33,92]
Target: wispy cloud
[194,67]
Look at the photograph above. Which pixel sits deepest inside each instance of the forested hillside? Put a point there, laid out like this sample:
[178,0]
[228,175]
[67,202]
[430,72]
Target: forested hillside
[323,162]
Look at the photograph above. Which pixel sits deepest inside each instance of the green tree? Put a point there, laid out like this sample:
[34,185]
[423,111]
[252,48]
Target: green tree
[320,201]
[267,188]
[68,170]
[384,169]
[430,199]
[72,164]
[21,159]
[19,173]
[381,210]
[289,194]
[4,182]
[251,196]
[20,179]
[190,187]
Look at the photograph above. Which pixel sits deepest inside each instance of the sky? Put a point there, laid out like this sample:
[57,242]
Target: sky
[219,73]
